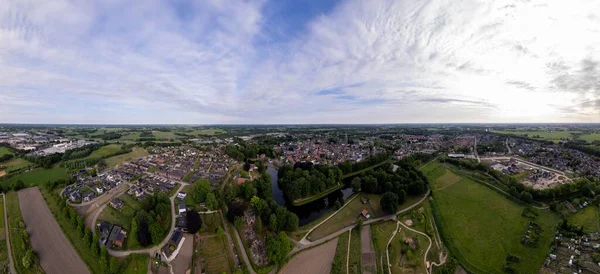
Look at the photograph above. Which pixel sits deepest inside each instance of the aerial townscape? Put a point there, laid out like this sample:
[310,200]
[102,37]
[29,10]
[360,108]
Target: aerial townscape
[299,137]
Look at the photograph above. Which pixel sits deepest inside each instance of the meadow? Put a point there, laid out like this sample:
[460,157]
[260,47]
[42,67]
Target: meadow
[137,152]
[554,136]
[481,227]
[590,137]
[5,151]
[588,218]
[216,255]
[104,151]
[15,164]
[37,177]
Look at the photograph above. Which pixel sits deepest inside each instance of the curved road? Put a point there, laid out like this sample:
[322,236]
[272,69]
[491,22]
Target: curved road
[7,234]
[428,248]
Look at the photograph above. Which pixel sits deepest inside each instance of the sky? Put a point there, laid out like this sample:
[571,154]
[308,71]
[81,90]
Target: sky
[299,61]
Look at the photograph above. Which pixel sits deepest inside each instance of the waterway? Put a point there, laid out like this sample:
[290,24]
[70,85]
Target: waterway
[311,211]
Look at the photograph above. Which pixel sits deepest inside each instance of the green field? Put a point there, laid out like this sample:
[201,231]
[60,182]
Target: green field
[5,151]
[481,227]
[348,215]
[104,151]
[215,254]
[16,163]
[590,137]
[354,265]
[16,227]
[554,136]
[4,263]
[380,235]
[119,159]
[38,177]
[341,254]
[411,260]
[588,218]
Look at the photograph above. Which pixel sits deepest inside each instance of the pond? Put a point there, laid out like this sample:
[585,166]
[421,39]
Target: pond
[311,211]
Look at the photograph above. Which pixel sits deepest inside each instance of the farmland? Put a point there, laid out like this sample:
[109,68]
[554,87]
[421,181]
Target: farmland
[588,218]
[38,177]
[554,136]
[16,226]
[119,159]
[104,151]
[5,151]
[47,239]
[214,253]
[316,260]
[590,137]
[15,164]
[476,220]
[348,215]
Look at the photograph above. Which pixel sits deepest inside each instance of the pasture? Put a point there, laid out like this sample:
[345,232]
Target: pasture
[588,218]
[15,164]
[348,215]
[38,177]
[590,137]
[482,227]
[5,151]
[316,260]
[47,239]
[137,152]
[104,151]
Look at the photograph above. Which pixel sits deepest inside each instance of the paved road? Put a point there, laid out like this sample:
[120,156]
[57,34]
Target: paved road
[95,218]
[7,234]
[151,251]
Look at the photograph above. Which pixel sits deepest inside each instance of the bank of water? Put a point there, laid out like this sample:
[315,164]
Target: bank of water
[311,211]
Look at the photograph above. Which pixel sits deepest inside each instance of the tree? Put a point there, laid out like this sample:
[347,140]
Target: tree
[220,232]
[278,247]
[211,201]
[194,222]
[401,196]
[355,184]
[103,257]
[389,202]
[18,185]
[238,223]
[359,224]
[156,232]
[258,225]
[526,196]
[273,225]
[28,258]
[200,190]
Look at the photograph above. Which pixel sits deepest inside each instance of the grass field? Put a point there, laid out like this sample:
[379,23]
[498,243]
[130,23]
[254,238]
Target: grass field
[105,150]
[348,215]
[38,177]
[590,137]
[121,218]
[16,163]
[4,263]
[404,258]
[135,264]
[119,159]
[482,227]
[341,254]
[354,264]
[5,151]
[215,255]
[588,218]
[380,235]
[16,227]
[544,135]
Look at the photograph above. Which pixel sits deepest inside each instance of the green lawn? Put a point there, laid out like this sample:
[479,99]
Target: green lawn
[588,218]
[16,227]
[119,159]
[5,151]
[354,265]
[348,215]
[16,163]
[135,264]
[38,177]
[481,226]
[341,255]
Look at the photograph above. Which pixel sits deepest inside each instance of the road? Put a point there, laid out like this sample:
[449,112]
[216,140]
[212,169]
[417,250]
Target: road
[387,250]
[7,235]
[95,218]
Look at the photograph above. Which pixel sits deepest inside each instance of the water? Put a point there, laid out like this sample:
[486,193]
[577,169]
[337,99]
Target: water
[311,211]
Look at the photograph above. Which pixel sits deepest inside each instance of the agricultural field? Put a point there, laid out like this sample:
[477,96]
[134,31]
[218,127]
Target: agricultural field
[214,254]
[5,151]
[316,260]
[137,152]
[15,164]
[104,151]
[348,215]
[47,239]
[554,136]
[16,226]
[590,137]
[477,220]
[38,177]
[588,218]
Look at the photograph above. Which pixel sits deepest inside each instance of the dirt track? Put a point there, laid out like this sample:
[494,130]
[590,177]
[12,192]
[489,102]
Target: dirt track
[47,239]
[316,260]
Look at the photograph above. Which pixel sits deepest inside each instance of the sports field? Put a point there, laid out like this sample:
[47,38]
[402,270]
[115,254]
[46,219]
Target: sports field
[119,159]
[38,177]
[588,218]
[482,227]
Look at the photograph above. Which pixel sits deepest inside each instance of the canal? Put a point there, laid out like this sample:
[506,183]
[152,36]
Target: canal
[311,211]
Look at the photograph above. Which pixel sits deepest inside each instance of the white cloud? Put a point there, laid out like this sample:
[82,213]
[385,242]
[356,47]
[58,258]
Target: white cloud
[379,61]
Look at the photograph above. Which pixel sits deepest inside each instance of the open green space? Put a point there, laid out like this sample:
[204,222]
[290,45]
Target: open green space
[588,218]
[120,159]
[341,254]
[481,227]
[135,264]
[354,264]
[122,218]
[104,151]
[554,136]
[405,258]
[215,254]
[37,177]
[5,151]
[16,226]
[15,164]
[590,137]
[210,223]
[4,263]
[348,215]
[309,199]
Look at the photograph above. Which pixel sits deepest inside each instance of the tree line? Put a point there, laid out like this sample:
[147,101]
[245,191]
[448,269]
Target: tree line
[305,179]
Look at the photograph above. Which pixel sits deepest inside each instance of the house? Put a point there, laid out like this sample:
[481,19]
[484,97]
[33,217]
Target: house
[182,208]
[104,229]
[181,222]
[117,236]
[365,213]
[181,196]
[116,204]
[74,196]
[88,197]
[99,189]
[138,192]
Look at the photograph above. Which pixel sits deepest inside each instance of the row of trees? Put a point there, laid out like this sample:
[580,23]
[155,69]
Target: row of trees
[349,167]
[304,180]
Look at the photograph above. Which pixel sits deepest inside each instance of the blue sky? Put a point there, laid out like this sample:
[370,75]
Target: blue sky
[304,61]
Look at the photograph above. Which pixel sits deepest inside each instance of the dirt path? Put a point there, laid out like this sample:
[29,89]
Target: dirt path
[317,260]
[7,234]
[52,246]
[369,265]
[348,254]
